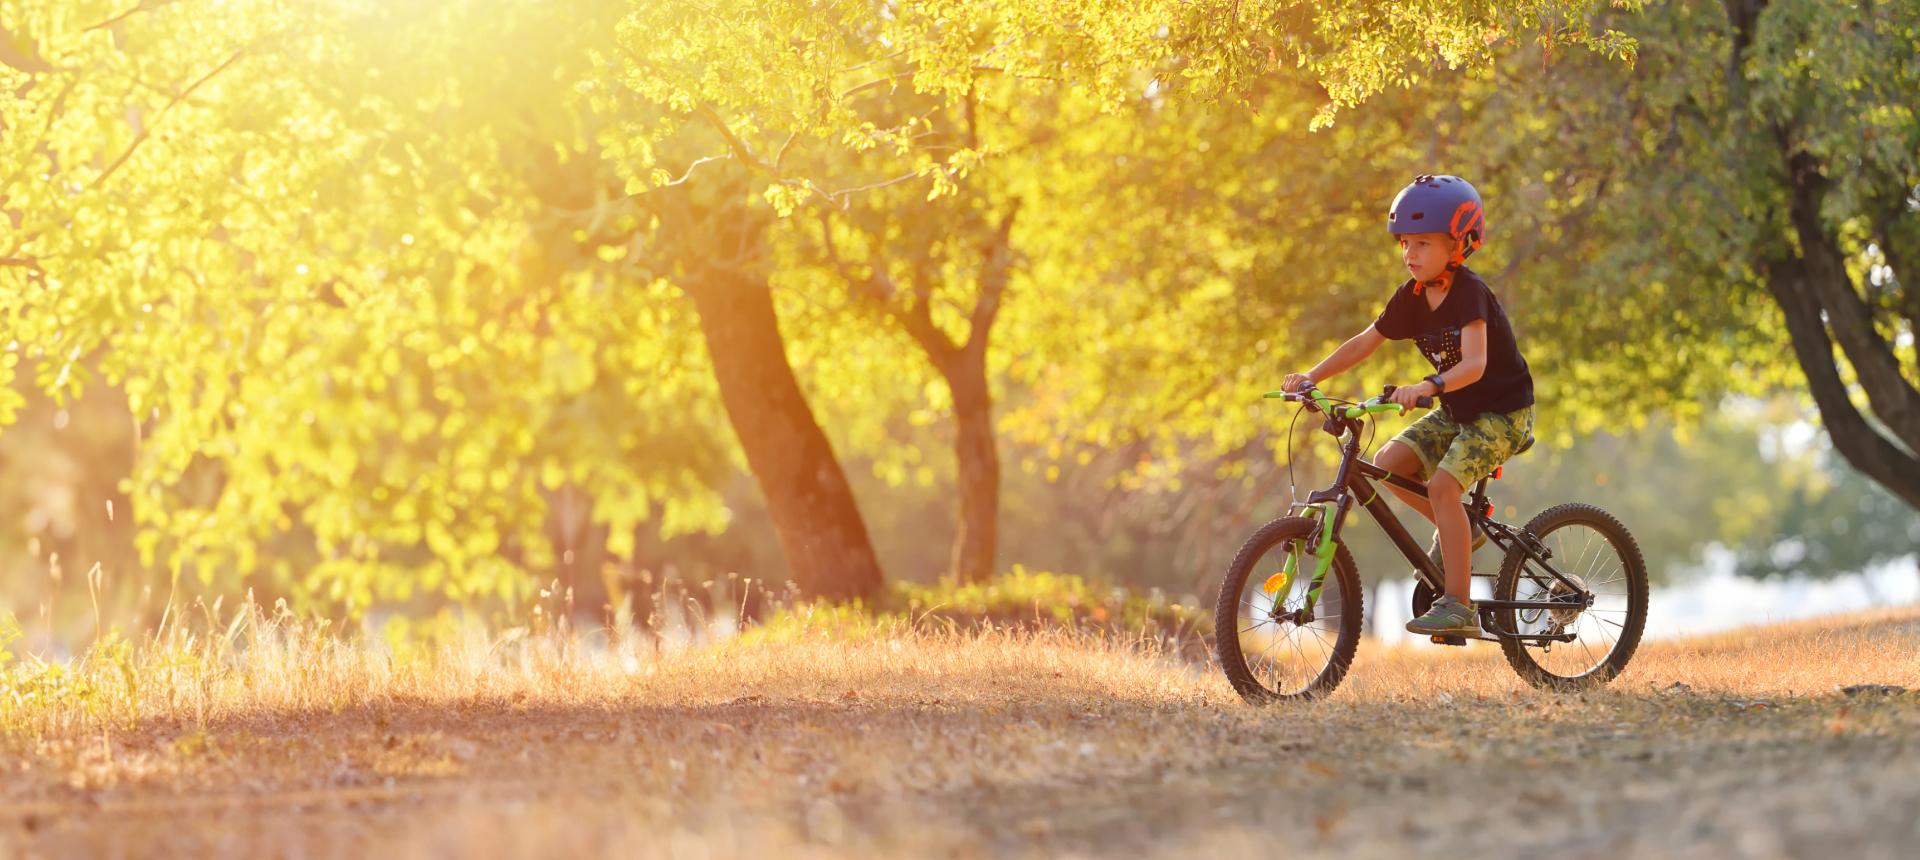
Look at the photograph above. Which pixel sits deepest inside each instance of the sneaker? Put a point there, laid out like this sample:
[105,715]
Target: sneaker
[1450,616]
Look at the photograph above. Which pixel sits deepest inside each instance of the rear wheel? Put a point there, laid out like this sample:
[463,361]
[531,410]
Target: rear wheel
[1271,645]
[1599,556]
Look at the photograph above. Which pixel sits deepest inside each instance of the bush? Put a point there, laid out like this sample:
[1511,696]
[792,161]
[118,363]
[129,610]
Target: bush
[1019,599]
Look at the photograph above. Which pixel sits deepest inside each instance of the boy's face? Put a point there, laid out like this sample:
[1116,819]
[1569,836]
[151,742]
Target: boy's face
[1426,254]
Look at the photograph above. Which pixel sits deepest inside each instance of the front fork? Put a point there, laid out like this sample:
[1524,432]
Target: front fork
[1326,516]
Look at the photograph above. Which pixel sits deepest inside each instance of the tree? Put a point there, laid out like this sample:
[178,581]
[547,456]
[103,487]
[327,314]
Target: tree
[1751,188]
[312,280]
[310,241]
[1824,94]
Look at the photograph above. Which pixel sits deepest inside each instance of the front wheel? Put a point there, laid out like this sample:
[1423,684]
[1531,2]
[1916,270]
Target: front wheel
[1274,636]
[1594,553]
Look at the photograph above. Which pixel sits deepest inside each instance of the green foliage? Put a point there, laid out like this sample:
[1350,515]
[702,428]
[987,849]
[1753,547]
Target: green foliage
[321,386]
[397,278]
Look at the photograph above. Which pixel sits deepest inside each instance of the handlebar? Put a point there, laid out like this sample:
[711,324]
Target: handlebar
[1311,397]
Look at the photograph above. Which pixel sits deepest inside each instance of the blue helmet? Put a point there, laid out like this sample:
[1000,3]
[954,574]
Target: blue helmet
[1440,204]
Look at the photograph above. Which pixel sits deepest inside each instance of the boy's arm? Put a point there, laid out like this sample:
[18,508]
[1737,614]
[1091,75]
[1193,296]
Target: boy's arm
[1354,351]
[1473,359]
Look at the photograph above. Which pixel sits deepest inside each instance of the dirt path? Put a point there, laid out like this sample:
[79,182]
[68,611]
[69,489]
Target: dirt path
[1018,752]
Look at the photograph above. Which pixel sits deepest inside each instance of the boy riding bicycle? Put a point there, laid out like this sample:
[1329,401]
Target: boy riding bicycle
[1482,381]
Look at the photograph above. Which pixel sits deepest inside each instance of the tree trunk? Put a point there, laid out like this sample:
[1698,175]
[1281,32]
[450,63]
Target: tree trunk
[825,541]
[1894,400]
[1858,441]
[978,461]
[1821,305]
[964,368]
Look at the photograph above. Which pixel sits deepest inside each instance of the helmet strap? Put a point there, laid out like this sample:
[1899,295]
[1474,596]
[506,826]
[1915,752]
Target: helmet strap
[1445,281]
[1442,283]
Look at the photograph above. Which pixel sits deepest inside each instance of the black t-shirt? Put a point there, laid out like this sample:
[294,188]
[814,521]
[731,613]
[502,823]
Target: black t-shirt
[1506,385]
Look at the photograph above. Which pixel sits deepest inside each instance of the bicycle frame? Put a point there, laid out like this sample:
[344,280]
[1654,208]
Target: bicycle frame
[1355,479]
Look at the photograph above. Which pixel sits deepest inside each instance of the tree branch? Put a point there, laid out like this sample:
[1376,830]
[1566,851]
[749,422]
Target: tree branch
[896,77]
[878,288]
[148,129]
[854,68]
[869,287]
[1886,216]
[918,318]
[780,159]
[995,272]
[876,83]
[142,6]
[1895,401]
[684,176]
[836,196]
[739,147]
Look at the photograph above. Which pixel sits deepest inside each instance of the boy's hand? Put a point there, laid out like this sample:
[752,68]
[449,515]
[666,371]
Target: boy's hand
[1408,395]
[1295,382]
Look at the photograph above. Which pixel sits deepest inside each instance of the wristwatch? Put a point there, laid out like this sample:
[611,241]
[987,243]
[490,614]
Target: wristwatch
[1439,385]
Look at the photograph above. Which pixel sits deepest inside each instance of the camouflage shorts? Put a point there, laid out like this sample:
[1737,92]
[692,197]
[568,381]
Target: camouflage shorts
[1468,451]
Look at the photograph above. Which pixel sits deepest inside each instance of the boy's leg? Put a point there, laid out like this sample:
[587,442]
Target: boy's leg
[1450,517]
[1475,452]
[1415,452]
[1398,458]
[1451,614]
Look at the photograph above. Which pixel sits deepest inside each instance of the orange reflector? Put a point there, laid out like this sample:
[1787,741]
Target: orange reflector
[1496,472]
[1276,583]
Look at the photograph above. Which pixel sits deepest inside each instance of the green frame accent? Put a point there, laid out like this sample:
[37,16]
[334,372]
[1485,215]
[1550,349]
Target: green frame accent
[1323,512]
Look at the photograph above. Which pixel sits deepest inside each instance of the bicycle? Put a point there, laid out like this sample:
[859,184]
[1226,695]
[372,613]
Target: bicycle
[1548,617]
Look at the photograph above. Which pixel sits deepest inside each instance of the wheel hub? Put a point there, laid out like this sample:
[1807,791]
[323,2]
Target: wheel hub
[1561,592]
[1297,617]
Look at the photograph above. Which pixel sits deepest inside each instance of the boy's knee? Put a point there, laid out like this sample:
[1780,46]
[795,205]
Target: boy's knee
[1444,487]
[1399,459]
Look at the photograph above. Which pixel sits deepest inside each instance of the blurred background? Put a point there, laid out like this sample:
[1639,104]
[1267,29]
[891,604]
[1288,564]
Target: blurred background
[403,310]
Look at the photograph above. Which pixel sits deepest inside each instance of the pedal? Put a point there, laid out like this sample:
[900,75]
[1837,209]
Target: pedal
[1450,640]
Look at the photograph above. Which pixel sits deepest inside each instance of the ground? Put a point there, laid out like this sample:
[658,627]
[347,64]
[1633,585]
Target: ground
[902,744]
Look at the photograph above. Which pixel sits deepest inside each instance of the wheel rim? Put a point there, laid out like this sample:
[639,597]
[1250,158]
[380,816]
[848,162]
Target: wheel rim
[1591,559]
[1284,650]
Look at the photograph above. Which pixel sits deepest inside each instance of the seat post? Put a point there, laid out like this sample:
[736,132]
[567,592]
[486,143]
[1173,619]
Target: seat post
[1478,501]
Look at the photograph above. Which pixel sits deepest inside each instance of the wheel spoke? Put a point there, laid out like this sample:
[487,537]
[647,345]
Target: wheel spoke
[1283,657]
[1597,567]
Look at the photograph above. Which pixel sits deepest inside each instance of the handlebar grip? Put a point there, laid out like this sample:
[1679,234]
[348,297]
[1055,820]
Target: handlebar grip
[1423,402]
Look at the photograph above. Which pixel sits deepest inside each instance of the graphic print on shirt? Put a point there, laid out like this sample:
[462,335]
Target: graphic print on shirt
[1441,348]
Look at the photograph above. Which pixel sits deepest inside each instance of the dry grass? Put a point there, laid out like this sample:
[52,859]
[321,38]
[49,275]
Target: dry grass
[266,739]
